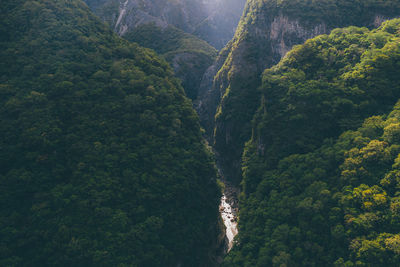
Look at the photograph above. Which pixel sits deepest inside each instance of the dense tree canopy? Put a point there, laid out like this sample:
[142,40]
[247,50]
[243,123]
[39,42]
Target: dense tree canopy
[267,30]
[320,173]
[101,157]
[188,55]
[330,12]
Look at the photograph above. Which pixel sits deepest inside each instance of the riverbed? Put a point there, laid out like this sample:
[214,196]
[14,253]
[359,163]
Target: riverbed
[229,216]
[228,209]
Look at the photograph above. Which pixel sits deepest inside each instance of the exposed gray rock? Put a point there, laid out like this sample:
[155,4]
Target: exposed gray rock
[214,21]
[208,98]
[282,27]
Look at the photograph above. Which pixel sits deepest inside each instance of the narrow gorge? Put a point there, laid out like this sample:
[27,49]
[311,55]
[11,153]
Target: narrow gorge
[200,133]
[188,41]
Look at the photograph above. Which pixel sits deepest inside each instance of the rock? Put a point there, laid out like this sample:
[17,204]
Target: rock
[214,21]
[267,31]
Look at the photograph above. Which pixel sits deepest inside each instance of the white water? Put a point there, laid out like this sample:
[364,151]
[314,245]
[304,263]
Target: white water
[229,218]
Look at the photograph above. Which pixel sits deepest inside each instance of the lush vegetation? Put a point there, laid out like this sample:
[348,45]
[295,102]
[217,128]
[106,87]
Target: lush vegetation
[189,56]
[212,21]
[261,33]
[321,172]
[101,156]
[332,12]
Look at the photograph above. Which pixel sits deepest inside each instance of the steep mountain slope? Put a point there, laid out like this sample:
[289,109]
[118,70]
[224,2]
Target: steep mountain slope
[178,29]
[102,162]
[189,56]
[125,15]
[267,30]
[214,21]
[315,193]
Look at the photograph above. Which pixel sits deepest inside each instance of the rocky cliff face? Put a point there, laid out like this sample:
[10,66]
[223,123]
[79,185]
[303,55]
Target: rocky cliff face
[214,21]
[125,15]
[179,30]
[267,31]
[208,97]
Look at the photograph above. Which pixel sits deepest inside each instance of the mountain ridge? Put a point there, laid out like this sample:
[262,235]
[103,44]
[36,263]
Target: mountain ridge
[212,21]
[267,30]
[102,161]
[322,153]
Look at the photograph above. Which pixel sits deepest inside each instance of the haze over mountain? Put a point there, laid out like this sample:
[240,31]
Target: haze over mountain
[214,21]
[178,30]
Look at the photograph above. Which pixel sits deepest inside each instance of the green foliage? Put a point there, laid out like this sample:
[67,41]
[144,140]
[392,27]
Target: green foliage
[329,12]
[188,55]
[168,40]
[321,181]
[266,30]
[101,156]
[326,86]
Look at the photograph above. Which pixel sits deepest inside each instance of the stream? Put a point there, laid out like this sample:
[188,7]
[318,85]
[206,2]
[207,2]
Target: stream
[228,209]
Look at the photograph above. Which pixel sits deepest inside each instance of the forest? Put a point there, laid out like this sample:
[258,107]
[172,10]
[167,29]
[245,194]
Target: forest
[320,173]
[190,55]
[102,158]
[267,31]
[114,148]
